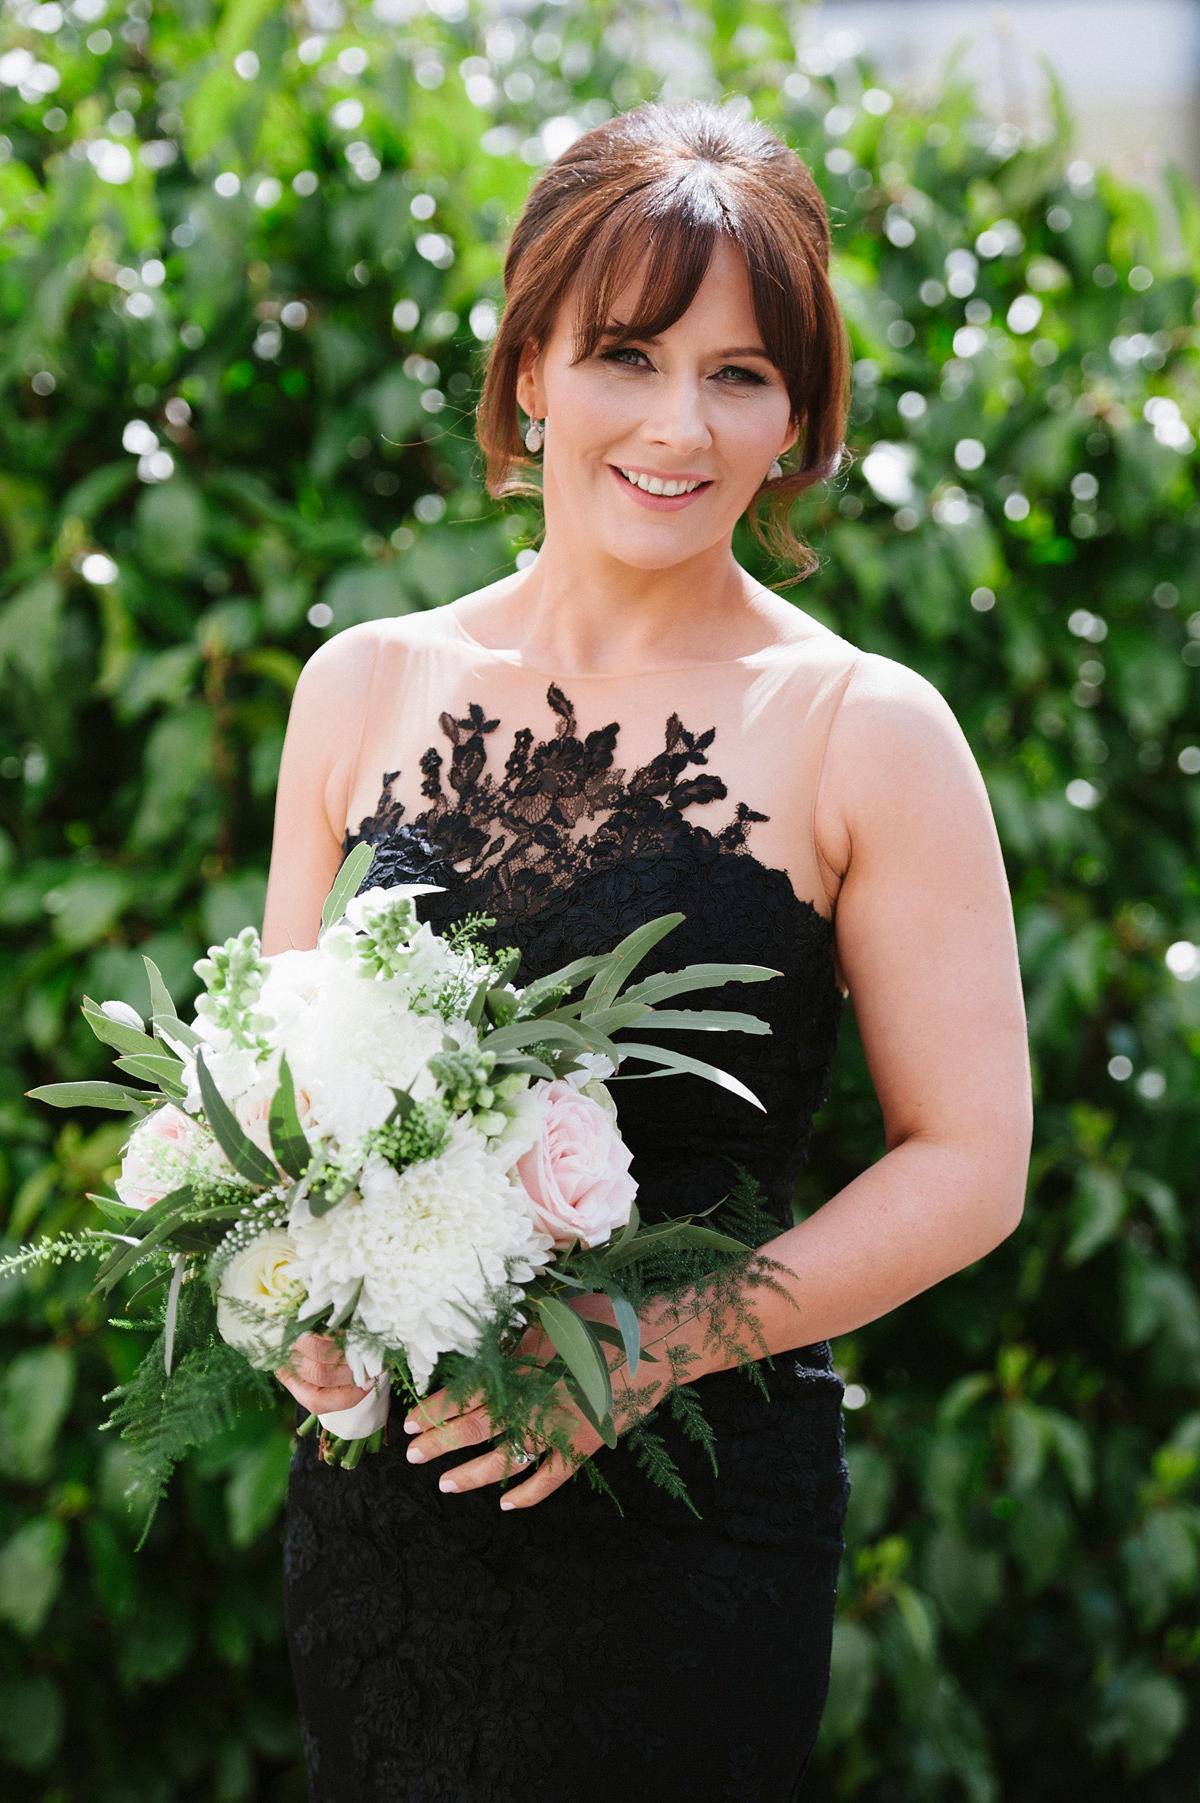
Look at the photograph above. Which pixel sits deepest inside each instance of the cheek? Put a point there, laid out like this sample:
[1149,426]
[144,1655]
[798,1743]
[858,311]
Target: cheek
[751,429]
[587,415]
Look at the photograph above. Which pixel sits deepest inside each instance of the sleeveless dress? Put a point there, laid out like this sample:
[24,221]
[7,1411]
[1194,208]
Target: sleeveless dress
[445,1651]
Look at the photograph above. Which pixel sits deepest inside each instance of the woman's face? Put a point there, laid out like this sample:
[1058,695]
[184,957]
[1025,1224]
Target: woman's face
[699,412]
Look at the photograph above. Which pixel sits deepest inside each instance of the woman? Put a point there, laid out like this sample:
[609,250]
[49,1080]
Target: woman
[635,726]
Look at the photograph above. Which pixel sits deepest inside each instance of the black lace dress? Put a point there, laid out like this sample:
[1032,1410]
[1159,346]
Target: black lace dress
[446,1652]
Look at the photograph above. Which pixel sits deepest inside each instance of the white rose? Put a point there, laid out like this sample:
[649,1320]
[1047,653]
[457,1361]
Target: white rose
[258,1288]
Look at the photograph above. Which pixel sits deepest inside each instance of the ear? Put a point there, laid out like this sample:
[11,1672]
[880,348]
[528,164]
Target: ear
[794,431]
[531,395]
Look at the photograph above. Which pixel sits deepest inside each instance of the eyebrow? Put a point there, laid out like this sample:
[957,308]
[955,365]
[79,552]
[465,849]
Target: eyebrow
[749,350]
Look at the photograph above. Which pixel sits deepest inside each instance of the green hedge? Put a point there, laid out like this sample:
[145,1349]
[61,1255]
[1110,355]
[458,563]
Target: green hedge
[276,246]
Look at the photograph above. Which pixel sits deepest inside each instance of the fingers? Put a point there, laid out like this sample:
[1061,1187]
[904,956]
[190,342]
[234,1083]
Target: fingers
[475,1474]
[432,1409]
[322,1399]
[550,1476]
[471,1429]
[315,1359]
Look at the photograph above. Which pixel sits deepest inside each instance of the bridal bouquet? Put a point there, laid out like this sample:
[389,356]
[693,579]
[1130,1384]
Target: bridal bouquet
[387,1141]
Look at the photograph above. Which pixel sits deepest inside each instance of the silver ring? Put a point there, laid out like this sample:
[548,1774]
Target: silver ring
[520,1455]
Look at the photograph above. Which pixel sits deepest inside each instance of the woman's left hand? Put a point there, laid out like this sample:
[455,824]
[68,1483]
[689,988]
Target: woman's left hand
[439,1427]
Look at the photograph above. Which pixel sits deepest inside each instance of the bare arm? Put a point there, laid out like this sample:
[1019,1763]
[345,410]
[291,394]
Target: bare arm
[314,780]
[926,942]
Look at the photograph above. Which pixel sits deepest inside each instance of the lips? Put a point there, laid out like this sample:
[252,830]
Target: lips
[662,485]
[660,494]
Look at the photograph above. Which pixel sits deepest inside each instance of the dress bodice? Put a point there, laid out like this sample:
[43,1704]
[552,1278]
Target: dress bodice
[443,1649]
[567,850]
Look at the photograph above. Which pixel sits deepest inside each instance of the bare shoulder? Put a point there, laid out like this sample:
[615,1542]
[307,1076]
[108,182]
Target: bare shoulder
[898,773]
[340,670]
[892,723]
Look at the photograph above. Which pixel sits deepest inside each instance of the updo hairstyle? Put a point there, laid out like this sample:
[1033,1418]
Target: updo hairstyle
[653,190]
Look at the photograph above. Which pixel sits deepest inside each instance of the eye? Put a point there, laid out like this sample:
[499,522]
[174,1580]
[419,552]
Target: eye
[735,372]
[628,355]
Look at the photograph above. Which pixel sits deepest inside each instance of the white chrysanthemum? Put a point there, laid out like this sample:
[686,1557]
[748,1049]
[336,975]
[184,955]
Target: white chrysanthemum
[428,1242]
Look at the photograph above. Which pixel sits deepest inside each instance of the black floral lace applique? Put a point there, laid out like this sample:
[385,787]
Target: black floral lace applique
[522,829]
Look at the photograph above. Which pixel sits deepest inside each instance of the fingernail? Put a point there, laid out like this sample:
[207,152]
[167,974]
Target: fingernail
[506,1504]
[412,1427]
[415,1456]
[448,1485]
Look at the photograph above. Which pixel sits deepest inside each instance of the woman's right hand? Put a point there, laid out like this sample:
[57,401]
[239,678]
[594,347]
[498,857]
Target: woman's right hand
[319,1377]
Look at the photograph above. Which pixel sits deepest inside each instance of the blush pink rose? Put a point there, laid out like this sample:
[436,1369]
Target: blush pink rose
[160,1152]
[576,1174]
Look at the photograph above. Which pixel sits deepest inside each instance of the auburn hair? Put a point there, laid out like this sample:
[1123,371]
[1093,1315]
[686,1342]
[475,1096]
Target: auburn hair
[651,192]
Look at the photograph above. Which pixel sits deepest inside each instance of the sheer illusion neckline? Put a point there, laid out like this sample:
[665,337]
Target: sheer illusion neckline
[515,661]
[547,788]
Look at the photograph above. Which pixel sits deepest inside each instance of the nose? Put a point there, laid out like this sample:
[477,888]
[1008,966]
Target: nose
[676,419]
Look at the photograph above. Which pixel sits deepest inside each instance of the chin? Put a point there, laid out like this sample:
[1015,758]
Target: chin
[653,550]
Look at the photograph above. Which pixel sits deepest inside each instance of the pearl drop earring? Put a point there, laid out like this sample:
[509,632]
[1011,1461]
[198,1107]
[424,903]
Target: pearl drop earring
[775,471]
[534,437]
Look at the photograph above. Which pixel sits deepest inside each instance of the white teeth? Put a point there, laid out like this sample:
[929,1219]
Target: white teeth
[655,485]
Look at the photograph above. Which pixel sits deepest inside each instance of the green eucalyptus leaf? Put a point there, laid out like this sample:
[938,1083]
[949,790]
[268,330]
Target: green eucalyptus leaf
[160,996]
[678,1061]
[695,976]
[91,1095]
[701,1020]
[581,1352]
[346,884]
[288,1142]
[169,1026]
[116,1033]
[241,1152]
[624,959]
[157,1067]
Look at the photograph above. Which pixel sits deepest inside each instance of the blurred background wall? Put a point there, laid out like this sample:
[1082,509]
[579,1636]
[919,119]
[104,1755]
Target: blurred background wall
[1130,68]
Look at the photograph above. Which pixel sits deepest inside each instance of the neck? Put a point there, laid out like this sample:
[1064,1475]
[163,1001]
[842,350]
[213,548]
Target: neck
[588,616]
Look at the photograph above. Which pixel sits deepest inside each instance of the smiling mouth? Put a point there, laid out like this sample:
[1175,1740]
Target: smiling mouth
[667,486]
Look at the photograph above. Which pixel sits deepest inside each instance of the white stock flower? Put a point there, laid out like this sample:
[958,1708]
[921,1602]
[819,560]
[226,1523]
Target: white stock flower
[258,1288]
[429,1242]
